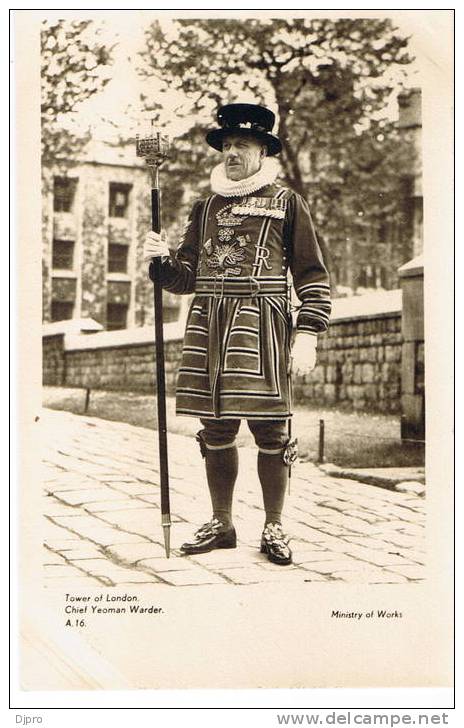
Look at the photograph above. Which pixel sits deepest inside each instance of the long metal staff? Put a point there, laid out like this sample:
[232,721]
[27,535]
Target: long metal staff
[154,148]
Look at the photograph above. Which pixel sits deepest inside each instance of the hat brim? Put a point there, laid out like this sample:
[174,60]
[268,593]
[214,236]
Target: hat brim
[215,138]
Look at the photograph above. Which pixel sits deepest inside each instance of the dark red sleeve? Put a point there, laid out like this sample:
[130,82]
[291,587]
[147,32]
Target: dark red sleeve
[310,275]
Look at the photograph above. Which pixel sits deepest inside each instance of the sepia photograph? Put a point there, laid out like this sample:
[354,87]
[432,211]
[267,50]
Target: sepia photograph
[232,349]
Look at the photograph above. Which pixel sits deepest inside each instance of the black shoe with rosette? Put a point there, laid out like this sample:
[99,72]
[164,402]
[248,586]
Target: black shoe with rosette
[212,535]
[274,543]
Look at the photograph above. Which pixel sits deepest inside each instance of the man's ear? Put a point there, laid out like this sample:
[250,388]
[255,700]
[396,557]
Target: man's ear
[263,151]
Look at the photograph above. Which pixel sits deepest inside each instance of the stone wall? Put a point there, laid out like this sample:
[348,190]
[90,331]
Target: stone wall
[126,368]
[53,360]
[359,366]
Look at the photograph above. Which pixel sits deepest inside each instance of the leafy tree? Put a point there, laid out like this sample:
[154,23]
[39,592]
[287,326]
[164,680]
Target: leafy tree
[329,81]
[73,69]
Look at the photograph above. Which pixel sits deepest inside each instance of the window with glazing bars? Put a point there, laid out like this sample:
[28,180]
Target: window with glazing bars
[64,190]
[117,258]
[116,316]
[62,310]
[63,254]
[119,200]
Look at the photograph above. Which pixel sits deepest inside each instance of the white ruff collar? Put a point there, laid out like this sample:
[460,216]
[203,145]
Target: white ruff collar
[225,187]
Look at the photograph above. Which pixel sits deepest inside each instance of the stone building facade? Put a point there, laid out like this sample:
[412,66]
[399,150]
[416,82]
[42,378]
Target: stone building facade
[95,216]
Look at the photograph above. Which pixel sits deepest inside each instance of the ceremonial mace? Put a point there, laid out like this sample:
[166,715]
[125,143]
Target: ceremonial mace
[154,148]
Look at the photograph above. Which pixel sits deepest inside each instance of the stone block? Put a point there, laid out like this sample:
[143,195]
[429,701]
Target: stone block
[330,393]
[371,392]
[135,552]
[193,577]
[392,353]
[89,495]
[331,374]
[352,391]
[319,391]
[358,374]
[393,389]
[348,364]
[392,337]
[368,373]
[309,391]
[386,372]
[317,375]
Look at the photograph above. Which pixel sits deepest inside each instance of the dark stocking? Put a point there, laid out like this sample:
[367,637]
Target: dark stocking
[221,472]
[273,476]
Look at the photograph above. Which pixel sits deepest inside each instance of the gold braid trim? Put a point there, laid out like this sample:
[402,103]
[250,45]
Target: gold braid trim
[257,212]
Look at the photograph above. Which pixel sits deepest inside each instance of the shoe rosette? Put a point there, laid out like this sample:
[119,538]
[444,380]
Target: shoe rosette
[207,530]
[275,542]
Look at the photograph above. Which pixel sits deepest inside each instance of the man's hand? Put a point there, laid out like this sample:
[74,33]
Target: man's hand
[154,246]
[304,353]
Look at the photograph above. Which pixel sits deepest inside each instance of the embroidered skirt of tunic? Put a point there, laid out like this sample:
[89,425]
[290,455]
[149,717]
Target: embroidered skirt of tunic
[235,358]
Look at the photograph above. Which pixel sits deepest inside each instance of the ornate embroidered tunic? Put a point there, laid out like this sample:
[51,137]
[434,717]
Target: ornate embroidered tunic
[235,255]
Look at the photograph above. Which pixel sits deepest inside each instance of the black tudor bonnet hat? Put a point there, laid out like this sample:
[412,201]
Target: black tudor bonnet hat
[248,119]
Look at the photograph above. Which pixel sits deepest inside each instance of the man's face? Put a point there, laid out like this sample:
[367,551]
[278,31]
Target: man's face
[243,156]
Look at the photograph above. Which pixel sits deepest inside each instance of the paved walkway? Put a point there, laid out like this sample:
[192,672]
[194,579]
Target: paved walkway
[102,518]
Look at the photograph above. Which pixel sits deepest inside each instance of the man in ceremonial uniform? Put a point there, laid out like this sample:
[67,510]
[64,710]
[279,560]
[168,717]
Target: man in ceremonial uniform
[235,254]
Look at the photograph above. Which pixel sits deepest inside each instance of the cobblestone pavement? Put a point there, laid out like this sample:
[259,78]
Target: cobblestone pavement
[102,518]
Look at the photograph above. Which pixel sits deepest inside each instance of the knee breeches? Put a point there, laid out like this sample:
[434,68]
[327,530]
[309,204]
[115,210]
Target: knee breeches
[270,436]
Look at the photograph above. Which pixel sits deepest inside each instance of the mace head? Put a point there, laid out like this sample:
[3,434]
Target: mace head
[154,147]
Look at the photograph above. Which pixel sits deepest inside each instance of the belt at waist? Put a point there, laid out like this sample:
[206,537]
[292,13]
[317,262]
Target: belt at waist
[245,286]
